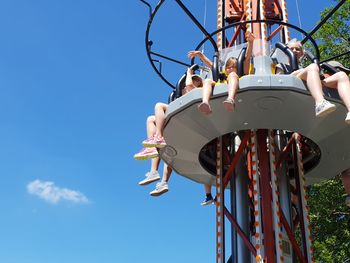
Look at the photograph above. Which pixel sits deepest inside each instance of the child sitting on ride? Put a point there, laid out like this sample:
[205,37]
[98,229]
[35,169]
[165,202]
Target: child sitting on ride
[341,82]
[310,74]
[229,76]
[156,140]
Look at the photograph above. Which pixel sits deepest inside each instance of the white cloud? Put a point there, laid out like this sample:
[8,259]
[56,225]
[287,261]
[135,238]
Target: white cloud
[53,194]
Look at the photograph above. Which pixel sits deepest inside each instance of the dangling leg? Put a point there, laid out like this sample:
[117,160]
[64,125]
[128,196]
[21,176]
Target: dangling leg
[232,80]
[162,187]
[208,197]
[310,74]
[147,153]
[207,90]
[341,82]
[159,111]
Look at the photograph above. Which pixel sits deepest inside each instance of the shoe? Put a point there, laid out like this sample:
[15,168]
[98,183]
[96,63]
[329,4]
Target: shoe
[146,142]
[154,142]
[324,108]
[161,188]
[347,119]
[208,201]
[147,153]
[204,108]
[229,104]
[347,200]
[150,178]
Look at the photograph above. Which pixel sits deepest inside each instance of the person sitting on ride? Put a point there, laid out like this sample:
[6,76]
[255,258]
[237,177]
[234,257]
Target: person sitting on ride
[341,82]
[155,125]
[310,74]
[230,77]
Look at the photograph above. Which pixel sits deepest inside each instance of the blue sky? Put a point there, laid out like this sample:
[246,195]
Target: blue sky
[75,90]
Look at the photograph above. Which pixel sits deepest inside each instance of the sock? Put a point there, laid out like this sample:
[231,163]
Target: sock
[209,196]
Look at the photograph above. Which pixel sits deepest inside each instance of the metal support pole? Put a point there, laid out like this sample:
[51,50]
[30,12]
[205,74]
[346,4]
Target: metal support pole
[303,198]
[256,197]
[220,223]
[275,198]
[281,142]
[266,195]
[300,209]
[234,234]
[242,206]
[285,194]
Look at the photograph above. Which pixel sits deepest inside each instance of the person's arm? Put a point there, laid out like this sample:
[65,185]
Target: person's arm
[201,56]
[250,38]
[188,82]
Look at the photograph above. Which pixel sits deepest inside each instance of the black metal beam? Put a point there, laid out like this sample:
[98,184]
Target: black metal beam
[170,59]
[149,7]
[337,56]
[198,24]
[324,20]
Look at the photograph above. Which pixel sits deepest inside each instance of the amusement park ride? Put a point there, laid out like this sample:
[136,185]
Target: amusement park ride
[265,153]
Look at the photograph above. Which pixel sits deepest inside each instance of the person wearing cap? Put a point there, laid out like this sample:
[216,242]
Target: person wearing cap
[339,66]
[341,82]
[229,76]
[192,82]
[155,139]
[310,74]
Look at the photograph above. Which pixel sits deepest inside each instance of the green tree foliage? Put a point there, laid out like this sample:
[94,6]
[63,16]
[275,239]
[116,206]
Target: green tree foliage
[333,38]
[330,221]
[330,218]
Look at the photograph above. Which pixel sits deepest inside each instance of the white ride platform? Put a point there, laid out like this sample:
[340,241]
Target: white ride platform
[263,102]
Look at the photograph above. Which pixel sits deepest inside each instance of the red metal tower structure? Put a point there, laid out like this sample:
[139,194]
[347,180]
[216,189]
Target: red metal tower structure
[264,151]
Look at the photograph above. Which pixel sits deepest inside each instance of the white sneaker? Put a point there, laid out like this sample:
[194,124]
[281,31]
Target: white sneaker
[324,108]
[347,118]
[161,188]
[150,178]
[208,201]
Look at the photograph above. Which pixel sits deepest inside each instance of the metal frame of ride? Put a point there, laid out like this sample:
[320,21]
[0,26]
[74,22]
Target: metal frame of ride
[264,169]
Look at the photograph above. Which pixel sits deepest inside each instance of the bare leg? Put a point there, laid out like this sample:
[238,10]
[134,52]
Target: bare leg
[232,91]
[345,177]
[149,151]
[232,80]
[207,188]
[153,174]
[310,74]
[151,126]
[341,82]
[208,197]
[207,90]
[166,173]
[155,164]
[159,111]
[155,129]
[162,187]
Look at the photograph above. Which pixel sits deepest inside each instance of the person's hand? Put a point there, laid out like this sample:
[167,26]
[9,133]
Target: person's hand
[249,36]
[193,54]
